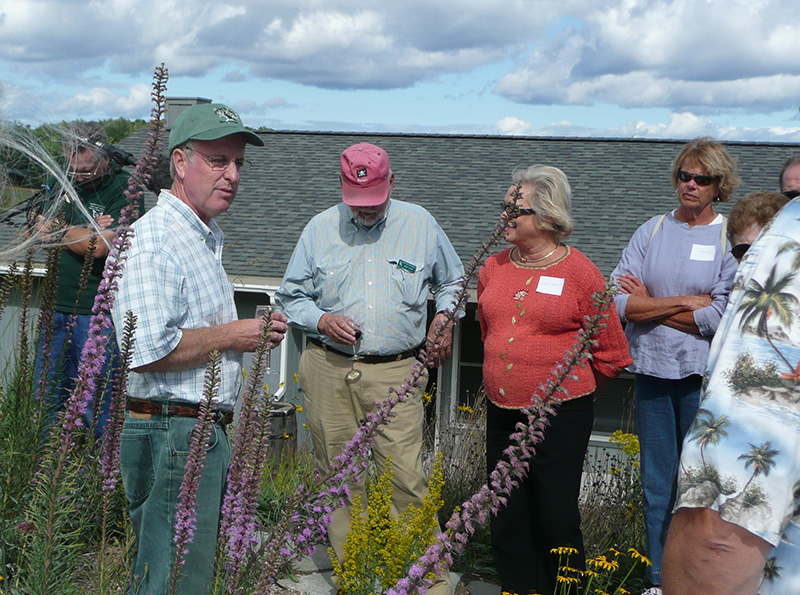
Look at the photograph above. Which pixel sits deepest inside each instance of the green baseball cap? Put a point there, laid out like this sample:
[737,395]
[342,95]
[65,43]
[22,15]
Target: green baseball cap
[209,121]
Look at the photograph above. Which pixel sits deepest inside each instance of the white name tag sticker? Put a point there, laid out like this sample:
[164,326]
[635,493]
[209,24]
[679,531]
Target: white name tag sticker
[702,252]
[550,285]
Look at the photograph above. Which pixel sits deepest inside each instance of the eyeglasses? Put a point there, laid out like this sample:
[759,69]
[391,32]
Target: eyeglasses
[219,163]
[700,179]
[84,174]
[513,213]
[739,250]
[790,194]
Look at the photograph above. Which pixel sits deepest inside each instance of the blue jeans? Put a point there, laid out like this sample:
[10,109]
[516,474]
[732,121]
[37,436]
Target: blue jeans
[62,369]
[152,458]
[665,409]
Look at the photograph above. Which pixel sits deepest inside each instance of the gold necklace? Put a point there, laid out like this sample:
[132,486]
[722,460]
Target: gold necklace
[535,260]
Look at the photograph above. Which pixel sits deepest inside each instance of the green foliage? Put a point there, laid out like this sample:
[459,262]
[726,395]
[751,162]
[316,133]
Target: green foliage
[380,549]
[611,501]
[746,373]
[119,128]
[280,481]
[610,573]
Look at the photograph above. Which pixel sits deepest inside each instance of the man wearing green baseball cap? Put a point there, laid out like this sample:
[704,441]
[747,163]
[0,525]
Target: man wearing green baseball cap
[175,285]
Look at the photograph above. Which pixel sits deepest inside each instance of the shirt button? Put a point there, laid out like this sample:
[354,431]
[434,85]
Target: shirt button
[370,306]
[369,283]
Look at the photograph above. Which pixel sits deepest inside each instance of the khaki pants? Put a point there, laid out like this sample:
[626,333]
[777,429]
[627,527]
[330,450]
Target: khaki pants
[333,409]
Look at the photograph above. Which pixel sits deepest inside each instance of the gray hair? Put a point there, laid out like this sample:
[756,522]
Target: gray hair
[81,136]
[185,146]
[790,162]
[551,198]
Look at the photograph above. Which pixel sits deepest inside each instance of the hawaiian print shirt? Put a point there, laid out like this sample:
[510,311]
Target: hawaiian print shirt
[742,454]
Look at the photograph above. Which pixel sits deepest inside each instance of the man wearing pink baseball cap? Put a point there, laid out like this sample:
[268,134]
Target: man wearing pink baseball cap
[357,285]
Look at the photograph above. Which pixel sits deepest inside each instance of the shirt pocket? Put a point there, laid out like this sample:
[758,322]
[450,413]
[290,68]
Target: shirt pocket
[330,279]
[410,285]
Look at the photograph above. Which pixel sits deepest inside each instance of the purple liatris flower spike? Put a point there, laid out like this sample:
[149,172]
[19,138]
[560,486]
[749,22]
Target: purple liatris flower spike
[507,473]
[186,513]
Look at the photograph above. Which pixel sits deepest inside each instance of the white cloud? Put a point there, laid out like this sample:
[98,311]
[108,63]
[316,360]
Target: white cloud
[682,125]
[708,55]
[513,126]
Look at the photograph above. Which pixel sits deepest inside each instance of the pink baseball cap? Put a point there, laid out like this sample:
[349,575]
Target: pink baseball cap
[365,175]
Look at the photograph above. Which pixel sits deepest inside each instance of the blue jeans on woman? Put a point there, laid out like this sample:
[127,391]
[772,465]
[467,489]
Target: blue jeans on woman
[665,409]
[63,360]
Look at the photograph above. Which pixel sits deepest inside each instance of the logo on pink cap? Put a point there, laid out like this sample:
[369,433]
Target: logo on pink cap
[365,175]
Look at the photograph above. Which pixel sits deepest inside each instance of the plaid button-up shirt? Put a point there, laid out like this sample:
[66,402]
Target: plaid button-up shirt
[174,279]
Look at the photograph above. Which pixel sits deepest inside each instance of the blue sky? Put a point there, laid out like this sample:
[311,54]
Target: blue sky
[726,68]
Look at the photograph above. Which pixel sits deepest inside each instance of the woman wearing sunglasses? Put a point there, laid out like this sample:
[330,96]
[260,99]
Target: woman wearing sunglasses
[674,278]
[532,301]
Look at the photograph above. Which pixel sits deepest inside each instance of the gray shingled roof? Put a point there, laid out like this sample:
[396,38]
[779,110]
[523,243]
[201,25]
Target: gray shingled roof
[617,184]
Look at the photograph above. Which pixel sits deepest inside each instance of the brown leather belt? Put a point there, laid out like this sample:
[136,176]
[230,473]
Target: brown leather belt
[367,359]
[148,407]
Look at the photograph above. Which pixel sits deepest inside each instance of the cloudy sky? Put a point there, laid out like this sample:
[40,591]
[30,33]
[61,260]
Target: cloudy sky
[649,68]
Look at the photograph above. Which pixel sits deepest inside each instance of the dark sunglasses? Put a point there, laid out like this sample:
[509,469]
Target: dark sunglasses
[700,179]
[790,194]
[517,212]
[739,250]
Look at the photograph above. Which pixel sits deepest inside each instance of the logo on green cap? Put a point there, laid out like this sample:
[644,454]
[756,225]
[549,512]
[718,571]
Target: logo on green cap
[226,114]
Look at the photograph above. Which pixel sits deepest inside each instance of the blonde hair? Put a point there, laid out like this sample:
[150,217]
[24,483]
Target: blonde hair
[713,158]
[551,198]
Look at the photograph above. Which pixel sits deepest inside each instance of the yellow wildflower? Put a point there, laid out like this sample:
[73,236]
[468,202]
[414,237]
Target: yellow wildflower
[306,426]
[564,550]
[300,409]
[567,579]
[639,557]
[604,563]
[296,379]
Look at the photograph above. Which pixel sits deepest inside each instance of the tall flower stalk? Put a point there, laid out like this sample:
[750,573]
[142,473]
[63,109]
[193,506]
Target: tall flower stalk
[47,506]
[238,525]
[309,511]
[109,462]
[508,472]
[186,512]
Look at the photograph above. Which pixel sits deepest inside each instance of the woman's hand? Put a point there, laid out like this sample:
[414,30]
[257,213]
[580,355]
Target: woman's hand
[695,302]
[632,285]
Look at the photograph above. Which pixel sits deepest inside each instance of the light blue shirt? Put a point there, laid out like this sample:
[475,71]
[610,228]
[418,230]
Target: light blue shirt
[173,279]
[377,276]
[679,260]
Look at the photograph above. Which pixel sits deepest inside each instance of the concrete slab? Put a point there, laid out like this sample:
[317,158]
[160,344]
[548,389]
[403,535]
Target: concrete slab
[318,561]
[315,583]
[482,588]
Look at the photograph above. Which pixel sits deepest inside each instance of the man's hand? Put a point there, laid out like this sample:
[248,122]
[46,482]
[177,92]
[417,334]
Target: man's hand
[196,345]
[439,341]
[278,328]
[104,221]
[339,328]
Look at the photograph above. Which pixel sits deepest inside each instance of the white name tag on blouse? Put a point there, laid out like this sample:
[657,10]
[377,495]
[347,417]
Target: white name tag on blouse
[702,252]
[550,285]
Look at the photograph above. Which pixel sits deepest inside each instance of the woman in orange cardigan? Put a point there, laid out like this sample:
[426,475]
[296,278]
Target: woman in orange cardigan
[532,301]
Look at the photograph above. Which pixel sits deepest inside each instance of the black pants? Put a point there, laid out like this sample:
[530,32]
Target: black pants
[542,513]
